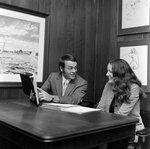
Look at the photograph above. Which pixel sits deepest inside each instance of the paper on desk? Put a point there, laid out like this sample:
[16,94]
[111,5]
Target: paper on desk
[79,109]
[56,106]
[68,108]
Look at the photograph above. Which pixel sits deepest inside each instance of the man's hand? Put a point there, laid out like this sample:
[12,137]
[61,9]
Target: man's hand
[44,95]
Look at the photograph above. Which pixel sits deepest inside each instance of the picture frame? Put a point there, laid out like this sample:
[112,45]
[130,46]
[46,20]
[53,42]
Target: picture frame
[22,44]
[137,54]
[133,16]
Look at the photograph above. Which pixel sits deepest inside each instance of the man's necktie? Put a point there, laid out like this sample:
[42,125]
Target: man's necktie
[64,87]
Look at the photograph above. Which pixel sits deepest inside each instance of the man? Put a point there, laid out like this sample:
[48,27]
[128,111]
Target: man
[53,89]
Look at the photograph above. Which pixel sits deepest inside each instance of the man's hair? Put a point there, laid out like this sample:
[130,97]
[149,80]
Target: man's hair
[66,57]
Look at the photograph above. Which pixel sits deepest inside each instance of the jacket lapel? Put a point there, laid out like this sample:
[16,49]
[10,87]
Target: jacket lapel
[109,97]
[70,87]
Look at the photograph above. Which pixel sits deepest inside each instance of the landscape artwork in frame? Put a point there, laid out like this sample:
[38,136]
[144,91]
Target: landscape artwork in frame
[133,16]
[21,45]
[136,54]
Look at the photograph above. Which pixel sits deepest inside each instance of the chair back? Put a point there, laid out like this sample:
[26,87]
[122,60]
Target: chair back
[145,114]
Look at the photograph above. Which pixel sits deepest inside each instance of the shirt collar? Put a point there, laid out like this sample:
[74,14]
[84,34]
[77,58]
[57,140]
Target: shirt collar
[64,79]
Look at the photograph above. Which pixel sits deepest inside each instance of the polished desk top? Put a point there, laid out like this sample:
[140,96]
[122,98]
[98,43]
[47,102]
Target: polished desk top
[47,125]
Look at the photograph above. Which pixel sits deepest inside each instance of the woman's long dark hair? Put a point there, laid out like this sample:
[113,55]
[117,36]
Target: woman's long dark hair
[123,77]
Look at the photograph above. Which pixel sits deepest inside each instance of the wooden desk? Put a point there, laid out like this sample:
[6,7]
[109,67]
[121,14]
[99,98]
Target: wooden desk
[33,127]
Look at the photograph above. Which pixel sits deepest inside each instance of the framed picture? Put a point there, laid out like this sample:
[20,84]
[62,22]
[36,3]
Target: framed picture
[22,40]
[133,16]
[137,54]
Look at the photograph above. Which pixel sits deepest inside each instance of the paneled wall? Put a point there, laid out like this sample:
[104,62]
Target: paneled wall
[85,28]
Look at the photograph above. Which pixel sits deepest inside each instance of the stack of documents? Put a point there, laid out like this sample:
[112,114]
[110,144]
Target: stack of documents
[68,108]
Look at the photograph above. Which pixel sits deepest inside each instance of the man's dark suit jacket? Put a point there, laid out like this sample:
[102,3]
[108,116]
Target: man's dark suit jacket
[74,93]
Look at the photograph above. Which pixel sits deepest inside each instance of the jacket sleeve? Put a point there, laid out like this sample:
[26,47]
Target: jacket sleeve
[126,108]
[102,102]
[47,84]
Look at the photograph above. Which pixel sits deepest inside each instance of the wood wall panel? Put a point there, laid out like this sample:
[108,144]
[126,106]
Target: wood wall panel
[73,26]
[106,42]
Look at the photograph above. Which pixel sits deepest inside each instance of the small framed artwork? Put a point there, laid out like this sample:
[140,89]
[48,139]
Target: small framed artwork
[133,16]
[137,54]
[22,40]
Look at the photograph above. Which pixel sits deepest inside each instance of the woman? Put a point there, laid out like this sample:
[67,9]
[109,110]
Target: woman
[122,93]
